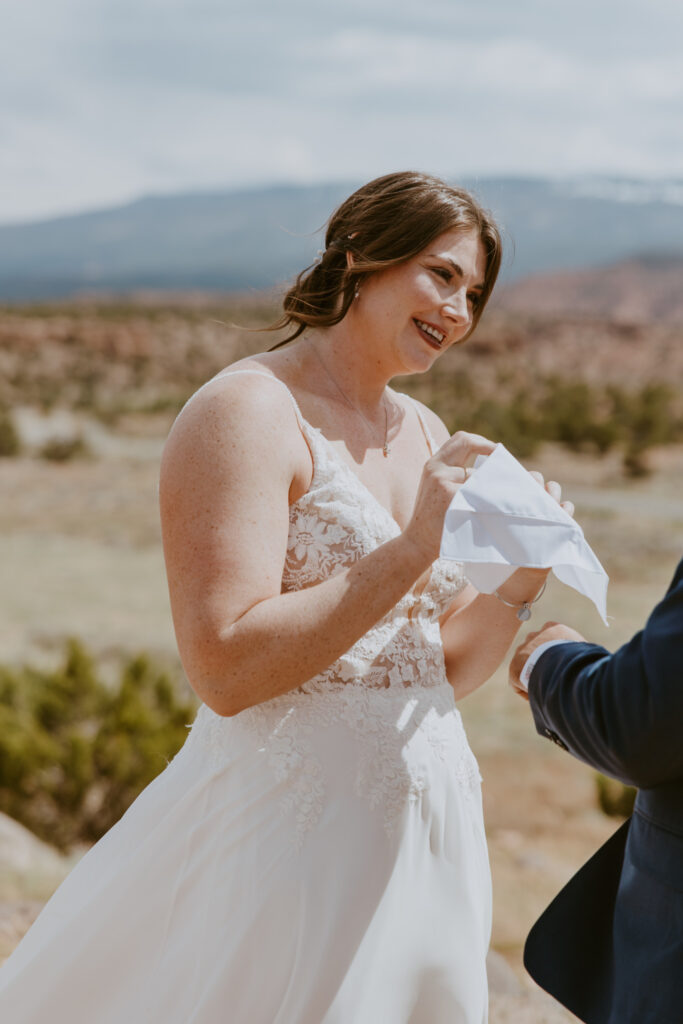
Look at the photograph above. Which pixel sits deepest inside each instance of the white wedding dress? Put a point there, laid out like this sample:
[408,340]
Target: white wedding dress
[316,859]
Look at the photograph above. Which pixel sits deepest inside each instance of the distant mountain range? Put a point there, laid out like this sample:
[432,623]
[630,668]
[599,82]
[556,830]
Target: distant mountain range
[258,238]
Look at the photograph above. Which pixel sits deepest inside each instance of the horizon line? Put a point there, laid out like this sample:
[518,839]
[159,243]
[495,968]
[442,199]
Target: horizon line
[585,179]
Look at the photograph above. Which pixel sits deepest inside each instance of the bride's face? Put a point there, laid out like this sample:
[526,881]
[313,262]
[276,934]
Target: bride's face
[420,308]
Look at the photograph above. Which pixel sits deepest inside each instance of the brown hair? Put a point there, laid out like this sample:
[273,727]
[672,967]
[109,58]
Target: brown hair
[384,223]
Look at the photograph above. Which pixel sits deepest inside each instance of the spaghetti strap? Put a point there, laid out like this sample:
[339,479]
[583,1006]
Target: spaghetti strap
[431,443]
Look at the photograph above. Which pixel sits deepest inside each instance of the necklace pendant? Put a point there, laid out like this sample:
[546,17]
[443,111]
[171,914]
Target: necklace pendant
[385,450]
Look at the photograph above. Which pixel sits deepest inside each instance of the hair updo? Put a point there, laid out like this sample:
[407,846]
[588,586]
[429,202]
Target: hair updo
[384,223]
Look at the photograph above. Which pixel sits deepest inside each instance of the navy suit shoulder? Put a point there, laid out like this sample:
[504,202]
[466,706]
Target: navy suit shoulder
[610,946]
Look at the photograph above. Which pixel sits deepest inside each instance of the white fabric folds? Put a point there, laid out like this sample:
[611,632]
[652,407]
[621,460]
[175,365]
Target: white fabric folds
[501,519]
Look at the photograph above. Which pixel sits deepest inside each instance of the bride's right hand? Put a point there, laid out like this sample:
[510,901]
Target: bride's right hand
[442,477]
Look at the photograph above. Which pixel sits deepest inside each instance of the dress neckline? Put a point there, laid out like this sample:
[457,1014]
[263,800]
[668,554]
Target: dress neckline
[331,450]
[339,461]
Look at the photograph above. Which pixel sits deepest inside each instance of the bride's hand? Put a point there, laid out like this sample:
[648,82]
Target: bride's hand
[554,490]
[443,475]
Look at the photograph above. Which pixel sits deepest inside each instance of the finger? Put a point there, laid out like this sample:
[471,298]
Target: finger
[461,447]
[554,490]
[568,506]
[458,474]
[538,477]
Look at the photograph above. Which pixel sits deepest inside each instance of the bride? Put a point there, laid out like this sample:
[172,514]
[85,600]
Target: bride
[315,853]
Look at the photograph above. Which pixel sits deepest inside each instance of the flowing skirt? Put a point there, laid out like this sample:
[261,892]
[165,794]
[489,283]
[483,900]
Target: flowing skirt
[318,859]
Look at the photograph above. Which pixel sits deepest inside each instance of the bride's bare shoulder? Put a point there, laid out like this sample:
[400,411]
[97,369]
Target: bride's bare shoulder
[237,417]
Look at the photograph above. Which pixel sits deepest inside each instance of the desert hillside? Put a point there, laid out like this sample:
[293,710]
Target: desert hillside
[642,291]
[142,356]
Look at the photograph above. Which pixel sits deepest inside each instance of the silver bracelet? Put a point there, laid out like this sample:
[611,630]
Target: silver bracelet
[524,609]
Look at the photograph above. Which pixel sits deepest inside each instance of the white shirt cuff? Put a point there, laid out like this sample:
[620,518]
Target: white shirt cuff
[525,675]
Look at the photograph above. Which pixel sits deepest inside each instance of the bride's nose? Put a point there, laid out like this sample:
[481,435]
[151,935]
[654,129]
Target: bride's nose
[456,309]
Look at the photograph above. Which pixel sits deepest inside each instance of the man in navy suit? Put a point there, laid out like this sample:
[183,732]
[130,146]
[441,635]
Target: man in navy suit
[610,945]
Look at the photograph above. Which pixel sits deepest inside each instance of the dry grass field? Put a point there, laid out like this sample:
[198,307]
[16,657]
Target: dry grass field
[80,554]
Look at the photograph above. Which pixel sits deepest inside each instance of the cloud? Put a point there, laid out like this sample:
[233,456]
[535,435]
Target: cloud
[113,100]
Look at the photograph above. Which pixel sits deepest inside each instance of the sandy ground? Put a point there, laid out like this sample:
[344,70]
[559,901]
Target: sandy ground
[80,550]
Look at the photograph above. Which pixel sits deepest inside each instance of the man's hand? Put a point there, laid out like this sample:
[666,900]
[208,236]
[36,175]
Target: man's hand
[550,631]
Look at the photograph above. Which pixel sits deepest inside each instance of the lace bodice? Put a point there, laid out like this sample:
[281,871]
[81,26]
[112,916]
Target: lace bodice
[337,521]
[391,681]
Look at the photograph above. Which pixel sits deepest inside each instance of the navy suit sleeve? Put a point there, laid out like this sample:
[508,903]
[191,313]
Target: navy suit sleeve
[621,713]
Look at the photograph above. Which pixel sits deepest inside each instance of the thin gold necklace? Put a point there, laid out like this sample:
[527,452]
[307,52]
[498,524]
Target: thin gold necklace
[385,447]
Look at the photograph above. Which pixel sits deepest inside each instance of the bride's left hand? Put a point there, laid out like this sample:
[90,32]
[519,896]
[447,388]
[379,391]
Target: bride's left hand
[554,490]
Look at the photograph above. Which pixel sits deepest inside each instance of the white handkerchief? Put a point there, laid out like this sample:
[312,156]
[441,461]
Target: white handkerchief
[501,518]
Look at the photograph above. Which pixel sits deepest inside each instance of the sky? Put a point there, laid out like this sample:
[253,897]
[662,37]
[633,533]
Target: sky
[102,101]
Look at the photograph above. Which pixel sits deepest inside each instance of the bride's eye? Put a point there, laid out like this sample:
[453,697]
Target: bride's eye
[443,273]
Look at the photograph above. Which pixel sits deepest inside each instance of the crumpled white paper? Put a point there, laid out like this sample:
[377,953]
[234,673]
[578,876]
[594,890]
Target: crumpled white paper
[501,519]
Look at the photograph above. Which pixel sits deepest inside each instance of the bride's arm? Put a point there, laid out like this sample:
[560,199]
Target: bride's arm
[227,471]
[478,629]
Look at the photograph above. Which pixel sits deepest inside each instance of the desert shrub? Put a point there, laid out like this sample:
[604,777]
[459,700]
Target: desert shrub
[635,461]
[645,418]
[75,752]
[516,423]
[10,443]
[578,415]
[614,798]
[63,449]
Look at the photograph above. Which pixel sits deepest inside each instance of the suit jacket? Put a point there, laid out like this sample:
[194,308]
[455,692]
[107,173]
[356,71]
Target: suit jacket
[610,946]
